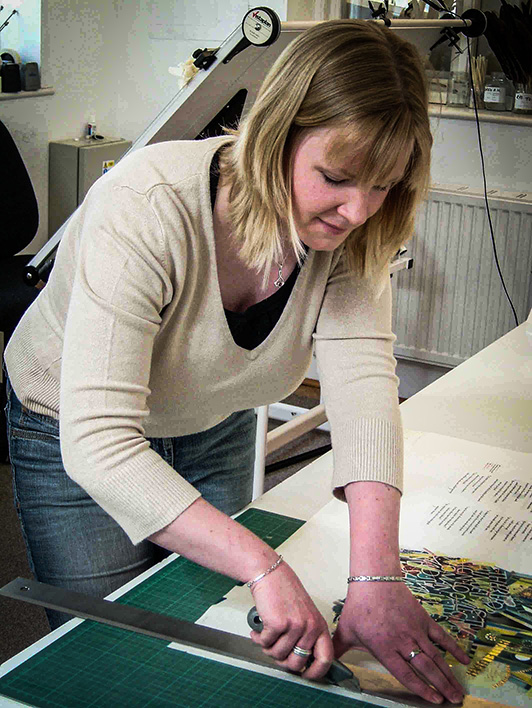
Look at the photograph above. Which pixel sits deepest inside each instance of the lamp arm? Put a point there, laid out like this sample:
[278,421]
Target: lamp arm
[6,22]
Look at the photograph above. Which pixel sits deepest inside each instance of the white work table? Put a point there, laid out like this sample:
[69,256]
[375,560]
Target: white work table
[487,399]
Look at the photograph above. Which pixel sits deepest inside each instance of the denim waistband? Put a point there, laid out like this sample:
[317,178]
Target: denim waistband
[21,417]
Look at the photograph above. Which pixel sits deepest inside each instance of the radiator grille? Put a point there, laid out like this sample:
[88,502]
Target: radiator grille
[451,303]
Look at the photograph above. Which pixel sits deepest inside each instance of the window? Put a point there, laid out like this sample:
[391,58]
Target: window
[23,33]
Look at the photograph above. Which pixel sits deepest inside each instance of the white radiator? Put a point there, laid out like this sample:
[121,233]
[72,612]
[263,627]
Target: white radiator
[451,303]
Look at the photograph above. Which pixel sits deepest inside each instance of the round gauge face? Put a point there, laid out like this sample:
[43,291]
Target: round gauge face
[261,26]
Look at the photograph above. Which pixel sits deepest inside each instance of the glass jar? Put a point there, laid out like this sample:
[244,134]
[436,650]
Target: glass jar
[438,82]
[523,98]
[458,94]
[495,90]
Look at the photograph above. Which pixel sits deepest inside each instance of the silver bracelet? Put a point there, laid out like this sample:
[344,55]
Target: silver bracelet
[266,572]
[375,578]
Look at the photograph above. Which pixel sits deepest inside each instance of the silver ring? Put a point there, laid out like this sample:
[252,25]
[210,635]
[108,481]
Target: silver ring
[301,652]
[413,654]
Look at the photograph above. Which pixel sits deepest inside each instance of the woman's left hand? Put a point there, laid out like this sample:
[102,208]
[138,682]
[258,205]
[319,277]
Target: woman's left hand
[387,620]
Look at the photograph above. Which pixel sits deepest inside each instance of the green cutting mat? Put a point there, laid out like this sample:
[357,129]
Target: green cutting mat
[100,666]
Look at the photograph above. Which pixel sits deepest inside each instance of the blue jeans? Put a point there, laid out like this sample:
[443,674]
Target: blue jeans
[71,541]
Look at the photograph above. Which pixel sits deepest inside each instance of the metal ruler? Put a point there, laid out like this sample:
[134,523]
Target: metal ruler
[137,619]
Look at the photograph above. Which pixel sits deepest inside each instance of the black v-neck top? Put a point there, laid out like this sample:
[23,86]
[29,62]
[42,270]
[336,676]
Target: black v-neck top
[250,328]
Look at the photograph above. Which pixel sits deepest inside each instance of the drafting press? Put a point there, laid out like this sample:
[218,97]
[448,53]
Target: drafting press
[86,663]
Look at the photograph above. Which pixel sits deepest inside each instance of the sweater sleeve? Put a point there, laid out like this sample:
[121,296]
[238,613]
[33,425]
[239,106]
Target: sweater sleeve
[120,287]
[354,350]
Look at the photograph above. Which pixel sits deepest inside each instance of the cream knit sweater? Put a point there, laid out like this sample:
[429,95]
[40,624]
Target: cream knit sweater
[129,339]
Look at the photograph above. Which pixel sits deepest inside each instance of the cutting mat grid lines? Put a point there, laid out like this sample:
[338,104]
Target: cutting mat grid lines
[190,589]
[98,665]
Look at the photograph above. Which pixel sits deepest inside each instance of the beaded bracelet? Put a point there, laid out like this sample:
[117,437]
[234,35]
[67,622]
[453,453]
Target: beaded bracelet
[375,578]
[266,572]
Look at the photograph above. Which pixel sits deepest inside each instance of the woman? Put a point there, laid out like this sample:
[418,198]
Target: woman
[189,288]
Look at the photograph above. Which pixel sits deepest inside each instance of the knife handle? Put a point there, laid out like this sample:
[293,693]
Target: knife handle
[337,672]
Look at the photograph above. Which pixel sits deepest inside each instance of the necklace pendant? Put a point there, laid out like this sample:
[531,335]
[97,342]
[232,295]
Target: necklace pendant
[280,280]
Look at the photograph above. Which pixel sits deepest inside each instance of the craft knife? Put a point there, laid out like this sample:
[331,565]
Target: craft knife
[339,674]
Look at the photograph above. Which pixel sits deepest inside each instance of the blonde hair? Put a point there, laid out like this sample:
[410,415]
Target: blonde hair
[348,74]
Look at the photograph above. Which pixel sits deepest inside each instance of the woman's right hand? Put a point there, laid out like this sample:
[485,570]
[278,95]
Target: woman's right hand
[290,619]
[208,537]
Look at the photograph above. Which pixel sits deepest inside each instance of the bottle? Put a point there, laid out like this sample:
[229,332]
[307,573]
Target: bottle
[495,90]
[523,98]
[90,131]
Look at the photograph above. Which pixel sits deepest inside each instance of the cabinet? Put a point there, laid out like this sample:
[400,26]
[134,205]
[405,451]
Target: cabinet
[74,166]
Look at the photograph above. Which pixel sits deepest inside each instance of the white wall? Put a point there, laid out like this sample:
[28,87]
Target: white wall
[507,154]
[112,57]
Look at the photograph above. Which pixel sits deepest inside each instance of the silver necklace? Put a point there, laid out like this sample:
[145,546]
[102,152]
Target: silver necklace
[280,280]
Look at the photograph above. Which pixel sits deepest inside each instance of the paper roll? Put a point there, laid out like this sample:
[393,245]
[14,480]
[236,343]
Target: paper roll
[10,55]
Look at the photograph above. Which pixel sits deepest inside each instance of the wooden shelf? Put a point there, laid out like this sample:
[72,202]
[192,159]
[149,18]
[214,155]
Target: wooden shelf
[440,111]
[45,91]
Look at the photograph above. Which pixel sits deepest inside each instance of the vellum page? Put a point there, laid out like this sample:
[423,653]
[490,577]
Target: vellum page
[437,472]
[460,499]
[467,499]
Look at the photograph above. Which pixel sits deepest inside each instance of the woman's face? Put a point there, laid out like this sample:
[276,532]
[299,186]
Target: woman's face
[328,202]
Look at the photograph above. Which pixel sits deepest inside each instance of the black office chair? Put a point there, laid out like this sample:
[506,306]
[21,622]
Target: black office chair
[19,220]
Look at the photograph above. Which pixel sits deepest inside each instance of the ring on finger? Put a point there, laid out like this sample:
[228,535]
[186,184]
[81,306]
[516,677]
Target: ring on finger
[301,652]
[413,654]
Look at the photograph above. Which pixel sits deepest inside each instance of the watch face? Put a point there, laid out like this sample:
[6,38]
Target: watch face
[260,26]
